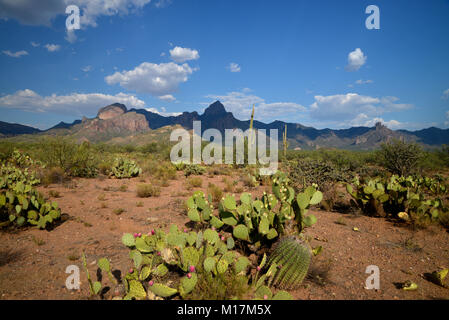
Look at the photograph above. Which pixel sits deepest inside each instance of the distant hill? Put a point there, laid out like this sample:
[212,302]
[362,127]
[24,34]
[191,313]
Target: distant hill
[116,124]
[13,129]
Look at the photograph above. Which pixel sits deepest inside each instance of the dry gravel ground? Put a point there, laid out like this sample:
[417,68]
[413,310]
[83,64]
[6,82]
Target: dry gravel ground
[33,262]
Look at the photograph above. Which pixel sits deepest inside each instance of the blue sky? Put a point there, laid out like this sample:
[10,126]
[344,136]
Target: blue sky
[311,62]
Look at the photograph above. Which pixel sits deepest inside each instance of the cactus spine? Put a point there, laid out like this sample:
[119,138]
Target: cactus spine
[292,256]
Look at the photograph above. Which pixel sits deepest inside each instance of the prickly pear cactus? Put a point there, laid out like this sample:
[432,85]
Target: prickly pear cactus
[124,168]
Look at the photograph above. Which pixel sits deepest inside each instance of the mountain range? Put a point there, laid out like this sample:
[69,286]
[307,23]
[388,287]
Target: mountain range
[116,124]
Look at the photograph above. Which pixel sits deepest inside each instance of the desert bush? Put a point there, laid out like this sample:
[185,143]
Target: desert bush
[194,182]
[443,218]
[118,211]
[104,167]
[400,157]
[6,150]
[54,194]
[229,185]
[193,169]
[164,171]
[215,192]
[76,160]
[443,154]
[249,181]
[309,171]
[147,190]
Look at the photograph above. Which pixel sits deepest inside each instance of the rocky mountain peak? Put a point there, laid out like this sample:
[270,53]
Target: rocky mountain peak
[111,111]
[216,109]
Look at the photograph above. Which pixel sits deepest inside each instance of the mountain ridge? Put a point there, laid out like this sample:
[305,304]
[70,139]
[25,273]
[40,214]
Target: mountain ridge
[116,120]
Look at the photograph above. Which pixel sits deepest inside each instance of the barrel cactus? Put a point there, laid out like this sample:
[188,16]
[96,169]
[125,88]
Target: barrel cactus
[292,256]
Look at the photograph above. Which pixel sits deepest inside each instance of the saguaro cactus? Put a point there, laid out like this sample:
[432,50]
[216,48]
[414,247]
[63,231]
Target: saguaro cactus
[284,141]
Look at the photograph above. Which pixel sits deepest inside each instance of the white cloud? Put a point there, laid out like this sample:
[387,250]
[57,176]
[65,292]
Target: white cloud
[445,94]
[346,106]
[241,104]
[71,36]
[234,67]
[180,55]
[167,98]
[446,123]
[43,12]
[17,54]
[77,104]
[356,59]
[93,9]
[155,79]
[364,81]
[163,112]
[86,68]
[352,109]
[52,47]
[34,44]
[362,120]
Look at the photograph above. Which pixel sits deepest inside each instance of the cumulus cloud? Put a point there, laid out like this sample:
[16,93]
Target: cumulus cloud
[34,44]
[77,104]
[52,47]
[17,54]
[234,67]
[42,12]
[180,55]
[345,106]
[86,68]
[167,98]
[352,109]
[356,59]
[365,121]
[446,123]
[241,104]
[445,94]
[155,79]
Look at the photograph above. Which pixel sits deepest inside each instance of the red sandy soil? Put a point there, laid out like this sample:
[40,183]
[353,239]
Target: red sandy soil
[33,262]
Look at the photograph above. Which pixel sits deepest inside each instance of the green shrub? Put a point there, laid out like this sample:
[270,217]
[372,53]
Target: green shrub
[193,169]
[77,160]
[309,171]
[400,157]
[443,154]
[6,150]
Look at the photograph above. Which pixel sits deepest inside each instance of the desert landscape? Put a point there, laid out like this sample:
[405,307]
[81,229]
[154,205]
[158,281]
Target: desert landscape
[195,152]
[99,193]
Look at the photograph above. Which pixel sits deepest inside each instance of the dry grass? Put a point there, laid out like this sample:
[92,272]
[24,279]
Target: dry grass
[148,190]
